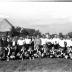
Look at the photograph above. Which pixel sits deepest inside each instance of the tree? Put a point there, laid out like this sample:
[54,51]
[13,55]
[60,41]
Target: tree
[37,32]
[18,31]
[14,32]
[24,32]
[70,34]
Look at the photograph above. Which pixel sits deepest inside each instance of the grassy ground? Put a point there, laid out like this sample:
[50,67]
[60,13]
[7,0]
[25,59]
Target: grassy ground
[37,65]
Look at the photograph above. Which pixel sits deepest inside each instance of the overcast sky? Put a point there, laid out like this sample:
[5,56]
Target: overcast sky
[46,16]
[35,0]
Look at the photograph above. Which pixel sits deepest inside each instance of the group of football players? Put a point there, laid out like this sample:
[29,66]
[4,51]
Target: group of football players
[35,47]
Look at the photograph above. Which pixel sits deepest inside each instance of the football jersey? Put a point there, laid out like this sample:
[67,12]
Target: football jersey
[61,43]
[21,42]
[43,41]
[48,40]
[69,42]
[28,41]
[55,40]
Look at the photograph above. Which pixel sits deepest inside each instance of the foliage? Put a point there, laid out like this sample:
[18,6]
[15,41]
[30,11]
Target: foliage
[70,34]
[14,32]
[18,31]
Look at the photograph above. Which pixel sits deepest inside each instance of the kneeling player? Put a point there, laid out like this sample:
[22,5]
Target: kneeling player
[30,52]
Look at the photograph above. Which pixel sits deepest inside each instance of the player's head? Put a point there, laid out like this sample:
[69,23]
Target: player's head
[61,38]
[27,36]
[55,36]
[37,36]
[21,38]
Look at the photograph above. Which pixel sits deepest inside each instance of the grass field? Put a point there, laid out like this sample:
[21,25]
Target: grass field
[37,65]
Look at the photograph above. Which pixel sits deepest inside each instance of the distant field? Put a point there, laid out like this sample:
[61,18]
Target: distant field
[37,65]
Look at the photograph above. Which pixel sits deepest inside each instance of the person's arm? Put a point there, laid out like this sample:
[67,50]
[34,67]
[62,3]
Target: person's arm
[24,42]
[34,41]
[8,51]
[40,41]
[52,41]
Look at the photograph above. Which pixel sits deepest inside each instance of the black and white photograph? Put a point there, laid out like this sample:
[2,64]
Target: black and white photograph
[35,37]
[35,0]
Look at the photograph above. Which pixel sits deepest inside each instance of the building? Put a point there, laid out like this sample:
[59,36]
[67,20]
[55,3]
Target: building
[5,27]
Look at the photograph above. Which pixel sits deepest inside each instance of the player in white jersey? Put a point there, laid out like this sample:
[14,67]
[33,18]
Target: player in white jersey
[49,43]
[55,41]
[43,40]
[69,42]
[28,42]
[49,40]
[21,41]
[61,42]
[62,46]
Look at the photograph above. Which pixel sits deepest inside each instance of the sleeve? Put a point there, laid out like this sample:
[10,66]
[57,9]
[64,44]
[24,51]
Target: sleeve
[17,42]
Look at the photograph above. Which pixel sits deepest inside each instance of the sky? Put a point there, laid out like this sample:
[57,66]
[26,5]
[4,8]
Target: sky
[35,0]
[51,17]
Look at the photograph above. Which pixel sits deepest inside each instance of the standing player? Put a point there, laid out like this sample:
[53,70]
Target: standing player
[55,41]
[37,42]
[43,40]
[61,42]
[28,42]
[20,43]
[69,42]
